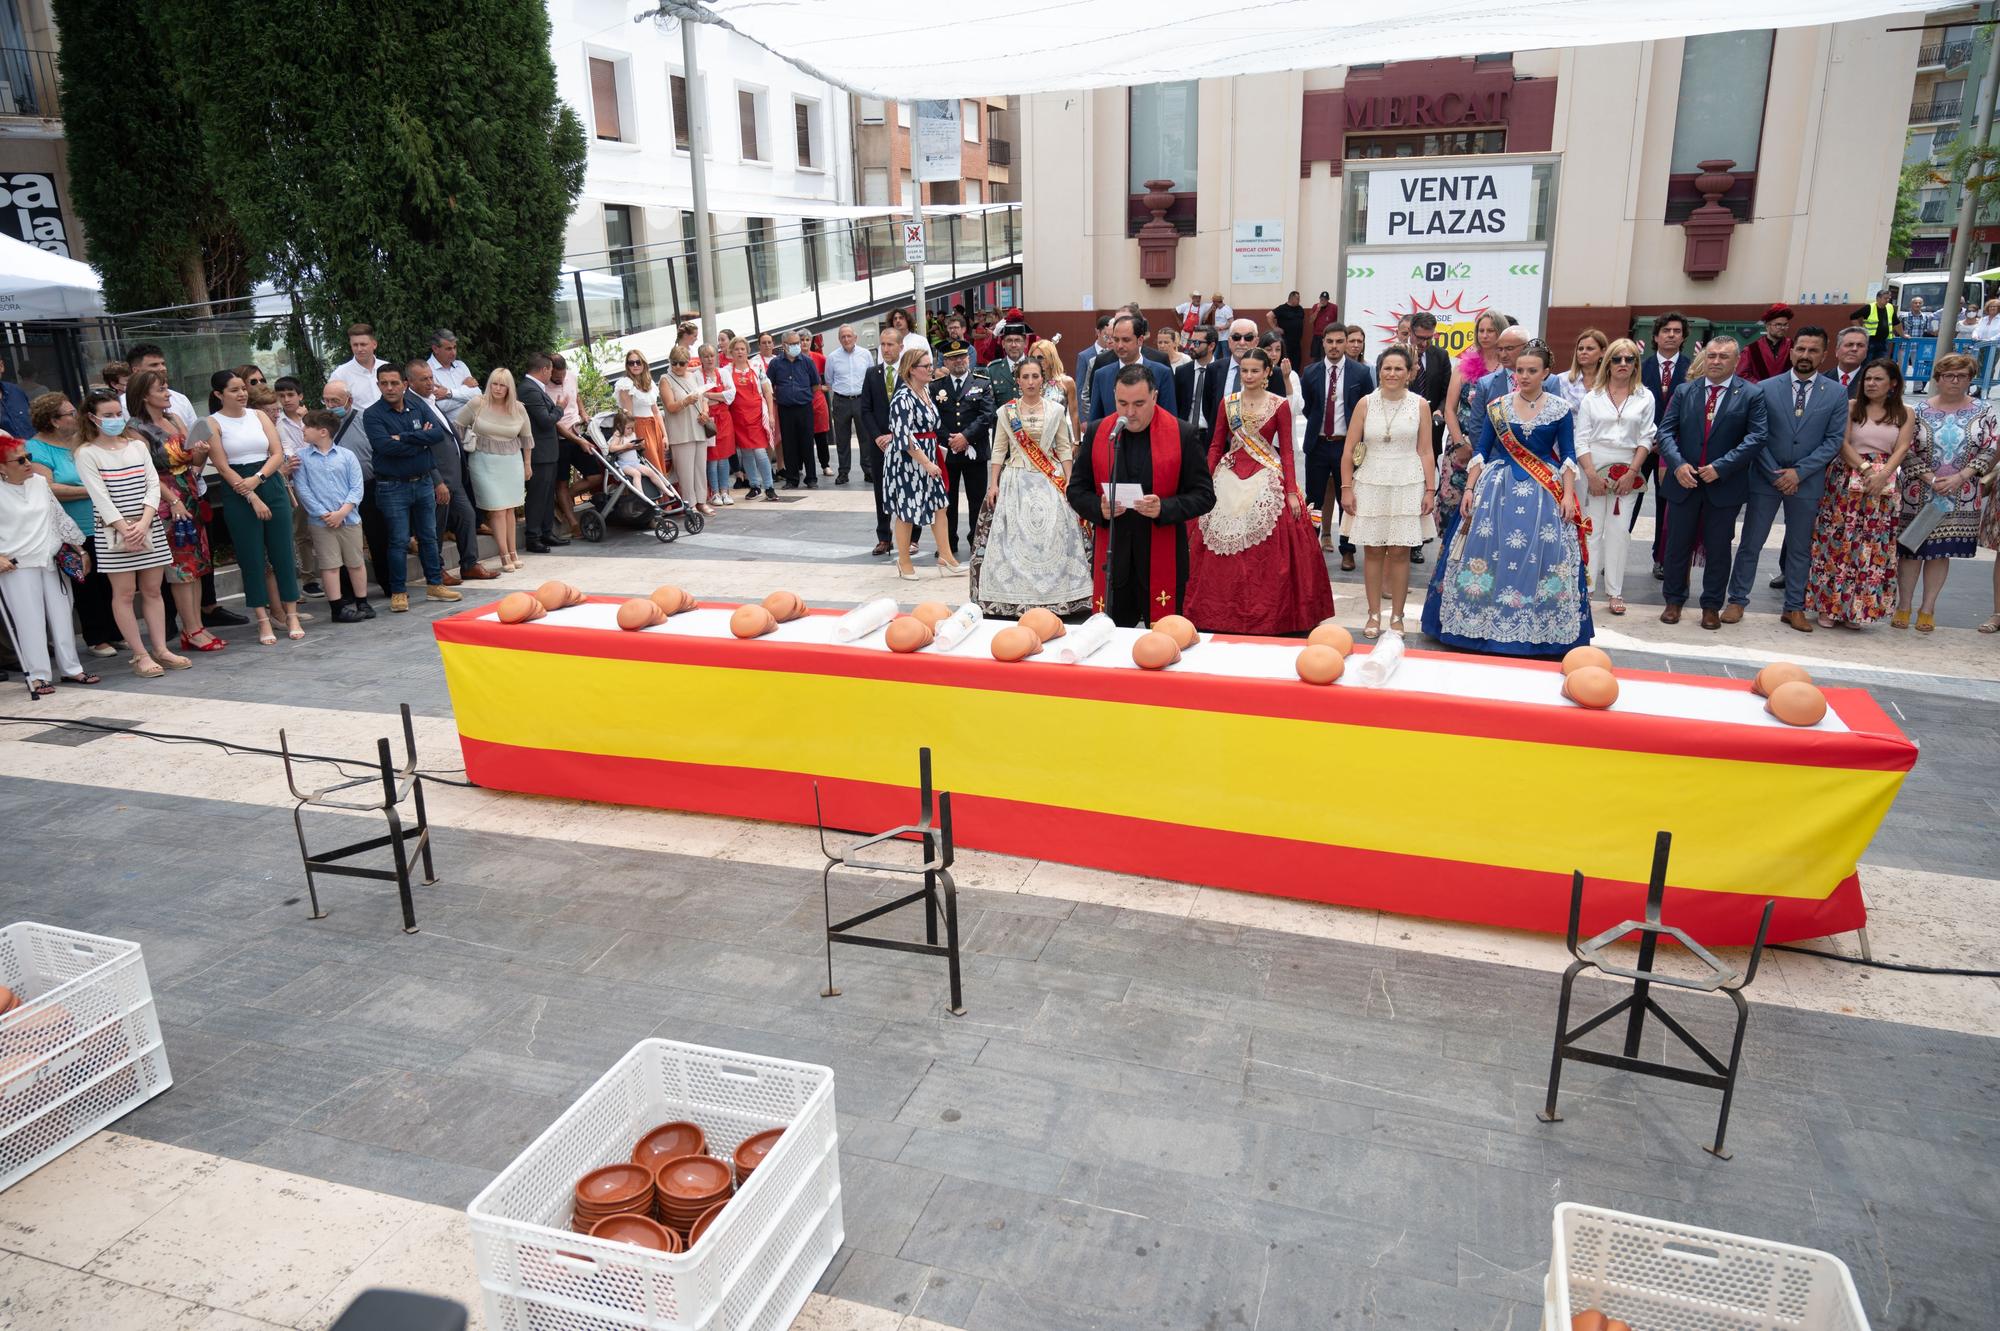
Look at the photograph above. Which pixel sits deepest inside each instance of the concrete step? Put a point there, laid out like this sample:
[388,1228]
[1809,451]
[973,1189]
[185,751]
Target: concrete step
[229,577]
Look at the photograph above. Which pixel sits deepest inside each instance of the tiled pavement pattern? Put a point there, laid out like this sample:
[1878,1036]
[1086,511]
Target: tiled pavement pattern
[1143,1121]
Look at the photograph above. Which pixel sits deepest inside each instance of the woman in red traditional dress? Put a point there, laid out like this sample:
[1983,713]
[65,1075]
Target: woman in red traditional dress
[1254,564]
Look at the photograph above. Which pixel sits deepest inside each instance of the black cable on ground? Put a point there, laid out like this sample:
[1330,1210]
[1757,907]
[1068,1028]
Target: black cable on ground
[1910,967]
[232,748]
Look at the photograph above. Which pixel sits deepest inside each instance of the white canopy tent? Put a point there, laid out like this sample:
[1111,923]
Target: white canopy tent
[36,284]
[1024,46]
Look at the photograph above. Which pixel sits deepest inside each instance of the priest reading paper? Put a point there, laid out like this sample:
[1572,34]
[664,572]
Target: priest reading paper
[1159,485]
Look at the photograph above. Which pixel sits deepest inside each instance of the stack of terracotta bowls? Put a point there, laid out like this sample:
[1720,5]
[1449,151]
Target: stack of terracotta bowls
[689,1186]
[611,1191]
[752,1152]
[667,1142]
[638,1230]
[702,1223]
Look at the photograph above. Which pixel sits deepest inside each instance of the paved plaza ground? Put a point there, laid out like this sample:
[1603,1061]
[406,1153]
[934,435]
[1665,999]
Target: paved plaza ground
[1165,1107]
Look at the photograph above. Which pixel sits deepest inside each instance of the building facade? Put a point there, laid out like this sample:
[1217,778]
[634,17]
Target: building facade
[1618,149]
[1944,100]
[780,159]
[990,130]
[34,166]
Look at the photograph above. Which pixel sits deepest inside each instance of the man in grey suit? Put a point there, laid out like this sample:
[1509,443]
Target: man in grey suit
[1806,416]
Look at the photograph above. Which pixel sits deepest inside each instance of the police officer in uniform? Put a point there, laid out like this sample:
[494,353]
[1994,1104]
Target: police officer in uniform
[1000,371]
[965,431]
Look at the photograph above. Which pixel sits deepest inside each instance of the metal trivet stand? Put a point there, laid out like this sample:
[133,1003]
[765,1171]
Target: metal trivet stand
[1591,953]
[394,785]
[938,893]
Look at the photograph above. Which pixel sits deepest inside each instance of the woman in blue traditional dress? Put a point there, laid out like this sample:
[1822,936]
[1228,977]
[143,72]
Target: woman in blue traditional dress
[1512,581]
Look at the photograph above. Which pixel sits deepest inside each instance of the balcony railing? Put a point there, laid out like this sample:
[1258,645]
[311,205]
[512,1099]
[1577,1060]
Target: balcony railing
[796,275]
[1925,112]
[1948,54]
[28,83]
[999,152]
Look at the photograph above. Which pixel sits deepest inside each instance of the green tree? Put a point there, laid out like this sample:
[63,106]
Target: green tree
[157,232]
[1903,225]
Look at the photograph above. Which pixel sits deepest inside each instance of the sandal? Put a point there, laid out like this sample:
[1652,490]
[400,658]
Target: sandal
[293,631]
[1926,621]
[172,662]
[1991,626]
[85,678]
[1900,620]
[1396,623]
[145,667]
[265,635]
[1616,605]
[213,643]
[40,688]
[1373,628]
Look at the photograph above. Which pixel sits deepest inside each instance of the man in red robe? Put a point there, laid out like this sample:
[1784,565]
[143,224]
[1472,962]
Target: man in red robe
[1166,458]
[1770,355]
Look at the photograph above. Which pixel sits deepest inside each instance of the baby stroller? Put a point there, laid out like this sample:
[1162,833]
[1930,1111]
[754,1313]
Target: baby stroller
[639,498]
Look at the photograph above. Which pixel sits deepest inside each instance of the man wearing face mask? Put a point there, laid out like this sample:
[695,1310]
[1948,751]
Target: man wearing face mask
[353,437]
[794,382]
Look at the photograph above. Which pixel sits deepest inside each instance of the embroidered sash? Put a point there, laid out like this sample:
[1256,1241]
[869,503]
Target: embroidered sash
[1030,449]
[1251,441]
[1541,472]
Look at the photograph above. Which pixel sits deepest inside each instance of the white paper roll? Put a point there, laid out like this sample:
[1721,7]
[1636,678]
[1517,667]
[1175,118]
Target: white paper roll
[958,628]
[864,619]
[1373,670]
[1085,638]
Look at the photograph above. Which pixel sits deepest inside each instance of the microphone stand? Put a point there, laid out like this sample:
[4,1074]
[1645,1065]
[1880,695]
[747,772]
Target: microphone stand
[1111,523]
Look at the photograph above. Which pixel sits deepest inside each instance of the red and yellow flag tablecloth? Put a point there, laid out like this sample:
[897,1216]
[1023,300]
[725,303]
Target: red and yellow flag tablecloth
[1466,790]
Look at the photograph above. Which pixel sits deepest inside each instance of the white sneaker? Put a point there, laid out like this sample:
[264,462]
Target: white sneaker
[725,501]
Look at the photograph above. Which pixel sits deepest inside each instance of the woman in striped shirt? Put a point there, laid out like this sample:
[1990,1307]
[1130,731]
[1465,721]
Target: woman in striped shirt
[116,469]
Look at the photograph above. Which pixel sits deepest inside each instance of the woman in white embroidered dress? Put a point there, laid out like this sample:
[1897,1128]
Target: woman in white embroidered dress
[1028,550]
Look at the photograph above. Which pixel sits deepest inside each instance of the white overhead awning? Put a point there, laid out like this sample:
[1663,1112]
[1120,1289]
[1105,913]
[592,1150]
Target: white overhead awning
[1007,47]
[38,284]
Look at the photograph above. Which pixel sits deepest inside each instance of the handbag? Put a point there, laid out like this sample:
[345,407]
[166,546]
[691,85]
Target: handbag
[69,562]
[1924,523]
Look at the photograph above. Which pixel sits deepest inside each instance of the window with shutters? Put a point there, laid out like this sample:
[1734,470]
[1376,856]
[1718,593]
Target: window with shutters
[875,186]
[805,130]
[677,88]
[748,118]
[968,121]
[607,99]
[872,111]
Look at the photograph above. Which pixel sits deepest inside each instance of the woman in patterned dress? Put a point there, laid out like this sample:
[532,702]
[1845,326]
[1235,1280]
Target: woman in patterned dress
[1854,533]
[1513,579]
[1957,446]
[1027,550]
[1254,562]
[1387,491]
[912,476]
[179,463]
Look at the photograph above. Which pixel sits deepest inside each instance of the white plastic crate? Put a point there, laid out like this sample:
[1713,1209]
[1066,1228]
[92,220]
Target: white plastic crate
[1659,1276]
[754,1266]
[82,1049]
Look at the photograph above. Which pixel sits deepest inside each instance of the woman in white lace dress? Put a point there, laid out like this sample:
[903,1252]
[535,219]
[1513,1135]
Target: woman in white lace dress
[1388,485]
[1028,550]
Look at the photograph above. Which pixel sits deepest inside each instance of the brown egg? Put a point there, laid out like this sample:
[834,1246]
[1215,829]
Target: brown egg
[576,596]
[688,601]
[1588,1320]
[1180,628]
[1043,624]
[553,594]
[1580,657]
[519,608]
[907,633]
[932,613]
[1591,686]
[669,598]
[639,613]
[1015,644]
[1320,664]
[1778,672]
[1156,650]
[751,621]
[1797,703]
[1332,635]
[784,606]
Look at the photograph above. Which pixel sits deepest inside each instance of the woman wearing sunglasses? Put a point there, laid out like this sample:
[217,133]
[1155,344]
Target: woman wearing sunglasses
[639,398]
[1614,435]
[912,476]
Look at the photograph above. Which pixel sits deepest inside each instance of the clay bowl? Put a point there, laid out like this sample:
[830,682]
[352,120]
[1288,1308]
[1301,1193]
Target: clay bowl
[613,1188]
[667,1142]
[638,1231]
[752,1152]
[689,1179]
[703,1221]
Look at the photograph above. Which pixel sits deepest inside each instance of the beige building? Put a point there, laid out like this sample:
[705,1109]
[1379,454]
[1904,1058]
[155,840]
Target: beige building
[1620,132]
[991,133]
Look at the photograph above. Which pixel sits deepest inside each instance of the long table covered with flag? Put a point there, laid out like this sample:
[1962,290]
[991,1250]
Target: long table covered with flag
[1465,789]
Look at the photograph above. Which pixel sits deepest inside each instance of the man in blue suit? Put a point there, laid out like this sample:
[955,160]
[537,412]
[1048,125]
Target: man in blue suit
[1331,385]
[1710,437]
[1807,416]
[1661,373]
[1126,342]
